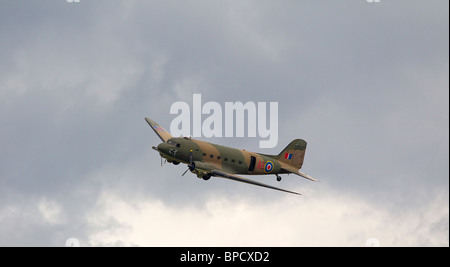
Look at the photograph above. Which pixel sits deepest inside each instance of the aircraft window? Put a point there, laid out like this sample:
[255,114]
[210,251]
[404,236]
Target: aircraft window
[211,156]
[226,159]
[233,160]
[240,162]
[204,154]
[218,157]
[173,143]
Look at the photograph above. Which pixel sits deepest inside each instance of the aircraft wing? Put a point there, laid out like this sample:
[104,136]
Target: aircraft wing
[163,134]
[222,174]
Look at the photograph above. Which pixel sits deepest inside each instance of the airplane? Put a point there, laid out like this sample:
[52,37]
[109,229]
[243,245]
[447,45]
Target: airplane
[207,160]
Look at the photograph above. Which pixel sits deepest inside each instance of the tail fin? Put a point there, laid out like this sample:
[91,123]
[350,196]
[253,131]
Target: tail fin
[294,153]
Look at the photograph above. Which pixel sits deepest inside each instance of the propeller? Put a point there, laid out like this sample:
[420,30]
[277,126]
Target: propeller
[156,149]
[191,165]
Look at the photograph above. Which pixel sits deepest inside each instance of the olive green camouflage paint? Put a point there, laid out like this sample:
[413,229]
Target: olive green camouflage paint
[234,160]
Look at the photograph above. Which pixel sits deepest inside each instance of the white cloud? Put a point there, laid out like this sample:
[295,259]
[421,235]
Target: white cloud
[318,219]
[36,212]
[32,222]
[51,211]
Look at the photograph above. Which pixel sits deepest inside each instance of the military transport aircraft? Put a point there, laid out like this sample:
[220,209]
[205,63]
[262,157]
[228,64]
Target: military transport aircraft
[206,159]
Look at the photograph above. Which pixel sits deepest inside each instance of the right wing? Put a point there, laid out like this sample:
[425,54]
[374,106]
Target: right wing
[214,171]
[248,181]
[163,134]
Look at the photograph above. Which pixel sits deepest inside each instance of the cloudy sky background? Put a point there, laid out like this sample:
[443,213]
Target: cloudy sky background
[366,84]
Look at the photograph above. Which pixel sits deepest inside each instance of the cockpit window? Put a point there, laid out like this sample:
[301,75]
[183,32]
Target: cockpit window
[173,143]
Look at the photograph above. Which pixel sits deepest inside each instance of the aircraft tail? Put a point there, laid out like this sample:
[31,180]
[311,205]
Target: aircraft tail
[294,153]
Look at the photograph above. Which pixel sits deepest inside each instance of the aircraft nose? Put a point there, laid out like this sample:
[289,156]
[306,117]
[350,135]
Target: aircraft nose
[163,148]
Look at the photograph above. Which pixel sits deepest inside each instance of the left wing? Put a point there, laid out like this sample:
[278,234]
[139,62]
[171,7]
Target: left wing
[248,181]
[163,134]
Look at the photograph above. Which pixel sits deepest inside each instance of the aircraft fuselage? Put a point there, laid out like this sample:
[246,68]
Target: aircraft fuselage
[237,161]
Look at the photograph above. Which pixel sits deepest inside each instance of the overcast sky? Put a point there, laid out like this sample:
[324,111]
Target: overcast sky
[365,84]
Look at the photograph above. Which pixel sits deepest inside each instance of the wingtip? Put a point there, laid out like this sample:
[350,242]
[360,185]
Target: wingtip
[150,122]
[288,191]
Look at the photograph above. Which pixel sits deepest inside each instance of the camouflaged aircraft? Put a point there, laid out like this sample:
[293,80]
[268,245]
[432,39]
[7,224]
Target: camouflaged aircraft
[206,160]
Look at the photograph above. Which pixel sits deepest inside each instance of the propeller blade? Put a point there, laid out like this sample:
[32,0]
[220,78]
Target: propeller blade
[191,164]
[184,172]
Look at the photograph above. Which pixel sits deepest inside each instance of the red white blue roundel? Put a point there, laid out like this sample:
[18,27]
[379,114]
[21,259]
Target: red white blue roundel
[268,167]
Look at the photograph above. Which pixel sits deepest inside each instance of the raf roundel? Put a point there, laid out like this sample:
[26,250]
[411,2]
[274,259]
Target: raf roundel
[159,128]
[268,167]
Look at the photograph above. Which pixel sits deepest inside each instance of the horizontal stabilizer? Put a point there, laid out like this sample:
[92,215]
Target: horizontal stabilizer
[304,175]
[291,169]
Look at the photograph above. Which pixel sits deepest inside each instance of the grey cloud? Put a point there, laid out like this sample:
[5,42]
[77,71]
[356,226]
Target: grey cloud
[365,84]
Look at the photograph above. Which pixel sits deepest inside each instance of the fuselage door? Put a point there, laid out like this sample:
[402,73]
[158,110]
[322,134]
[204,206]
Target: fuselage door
[252,164]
